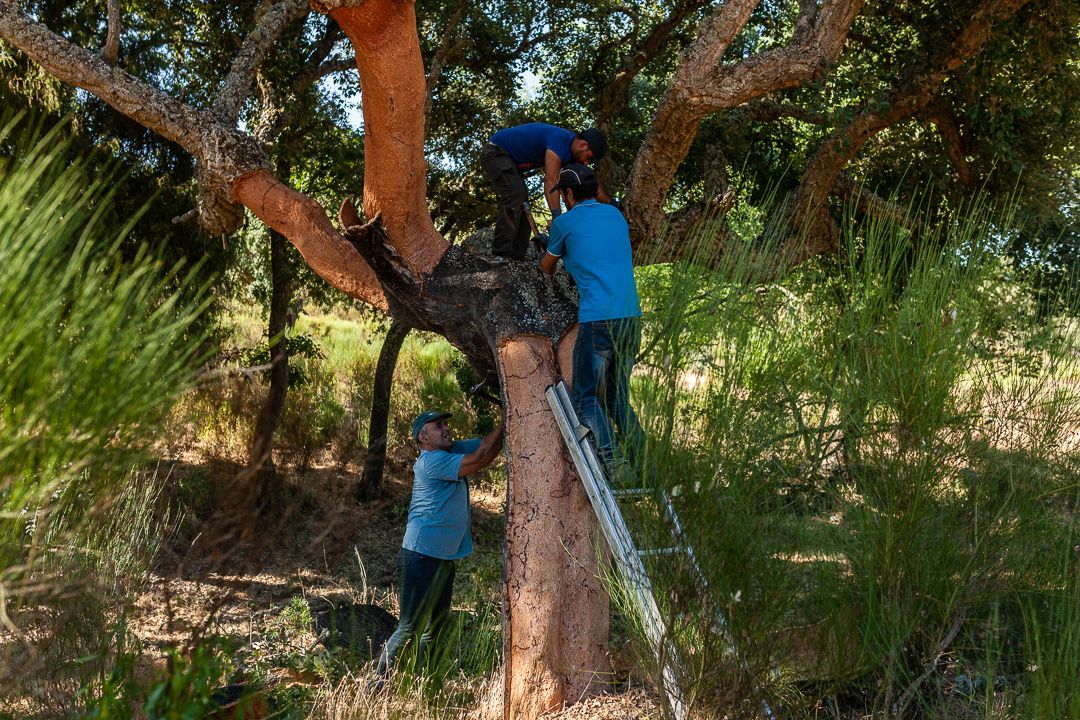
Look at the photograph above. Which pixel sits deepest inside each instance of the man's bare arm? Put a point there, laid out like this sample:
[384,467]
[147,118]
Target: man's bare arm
[548,263]
[490,445]
[552,166]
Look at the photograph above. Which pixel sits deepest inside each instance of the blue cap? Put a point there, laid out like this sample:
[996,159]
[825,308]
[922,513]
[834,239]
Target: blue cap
[424,418]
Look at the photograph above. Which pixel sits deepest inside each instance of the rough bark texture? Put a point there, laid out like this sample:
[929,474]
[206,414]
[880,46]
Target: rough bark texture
[703,84]
[223,154]
[271,18]
[472,300]
[383,32]
[261,451]
[371,480]
[556,606]
[110,52]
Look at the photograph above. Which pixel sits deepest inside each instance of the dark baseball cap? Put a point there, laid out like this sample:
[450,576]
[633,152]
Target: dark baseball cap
[576,175]
[597,142]
[424,418]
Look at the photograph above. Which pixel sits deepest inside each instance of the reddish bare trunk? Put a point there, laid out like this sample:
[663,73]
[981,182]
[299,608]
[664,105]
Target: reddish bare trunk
[383,33]
[556,606]
[304,222]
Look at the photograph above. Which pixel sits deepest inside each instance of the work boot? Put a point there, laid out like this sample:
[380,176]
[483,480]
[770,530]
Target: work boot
[620,474]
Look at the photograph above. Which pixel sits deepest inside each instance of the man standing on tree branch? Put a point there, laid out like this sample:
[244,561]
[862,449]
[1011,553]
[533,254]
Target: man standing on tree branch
[437,533]
[593,241]
[511,151]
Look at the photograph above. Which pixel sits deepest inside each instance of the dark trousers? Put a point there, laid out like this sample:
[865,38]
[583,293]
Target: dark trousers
[426,585]
[604,355]
[512,229]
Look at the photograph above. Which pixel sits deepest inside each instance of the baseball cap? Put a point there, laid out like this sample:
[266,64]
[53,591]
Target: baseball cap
[576,175]
[424,418]
[597,142]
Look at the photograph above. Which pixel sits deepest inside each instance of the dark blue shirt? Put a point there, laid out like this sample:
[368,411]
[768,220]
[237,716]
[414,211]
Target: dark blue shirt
[527,144]
[593,241]
[438,523]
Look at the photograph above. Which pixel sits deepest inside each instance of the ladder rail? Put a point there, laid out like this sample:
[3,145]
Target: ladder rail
[619,540]
[605,505]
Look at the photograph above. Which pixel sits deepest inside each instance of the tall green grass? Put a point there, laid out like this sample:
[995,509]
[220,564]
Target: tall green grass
[875,480]
[94,349]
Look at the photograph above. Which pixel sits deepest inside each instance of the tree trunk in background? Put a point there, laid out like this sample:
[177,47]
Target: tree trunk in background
[371,481]
[261,457]
[556,607]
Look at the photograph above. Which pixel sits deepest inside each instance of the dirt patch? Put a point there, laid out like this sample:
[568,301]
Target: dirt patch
[631,705]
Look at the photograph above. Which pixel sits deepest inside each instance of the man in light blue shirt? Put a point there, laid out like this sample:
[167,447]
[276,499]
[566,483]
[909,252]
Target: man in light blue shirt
[437,533]
[593,241]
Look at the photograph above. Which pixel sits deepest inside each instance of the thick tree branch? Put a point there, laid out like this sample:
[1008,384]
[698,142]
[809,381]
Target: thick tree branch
[613,98]
[821,174]
[704,84]
[945,120]
[231,162]
[450,43]
[225,153]
[383,33]
[271,18]
[111,52]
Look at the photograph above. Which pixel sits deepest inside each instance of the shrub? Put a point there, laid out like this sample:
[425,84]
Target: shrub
[94,349]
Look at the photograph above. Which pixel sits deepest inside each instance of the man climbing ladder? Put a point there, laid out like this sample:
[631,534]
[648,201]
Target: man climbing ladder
[593,241]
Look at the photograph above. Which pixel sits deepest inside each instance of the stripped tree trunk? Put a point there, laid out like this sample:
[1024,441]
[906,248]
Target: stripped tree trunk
[556,621]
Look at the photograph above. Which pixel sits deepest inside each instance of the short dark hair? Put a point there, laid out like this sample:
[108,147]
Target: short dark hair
[579,179]
[597,142]
[583,192]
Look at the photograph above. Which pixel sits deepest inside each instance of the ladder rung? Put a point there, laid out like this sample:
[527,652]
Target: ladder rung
[651,552]
[630,492]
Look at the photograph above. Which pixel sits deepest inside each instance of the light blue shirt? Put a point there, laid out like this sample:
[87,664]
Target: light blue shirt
[593,241]
[438,522]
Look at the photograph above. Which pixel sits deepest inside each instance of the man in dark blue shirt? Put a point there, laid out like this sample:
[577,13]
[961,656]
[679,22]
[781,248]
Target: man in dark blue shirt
[511,151]
[593,241]
[437,533]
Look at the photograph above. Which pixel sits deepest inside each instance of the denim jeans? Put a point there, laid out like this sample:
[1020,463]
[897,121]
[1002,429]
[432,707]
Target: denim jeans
[426,584]
[604,355]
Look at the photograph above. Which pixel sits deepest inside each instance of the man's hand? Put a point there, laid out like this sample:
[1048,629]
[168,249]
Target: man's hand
[548,263]
[541,240]
[490,445]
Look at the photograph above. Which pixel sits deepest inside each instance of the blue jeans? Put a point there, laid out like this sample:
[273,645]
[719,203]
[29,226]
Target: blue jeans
[604,355]
[426,584]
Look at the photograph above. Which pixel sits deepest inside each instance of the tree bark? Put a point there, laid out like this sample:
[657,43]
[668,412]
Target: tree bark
[704,84]
[261,455]
[556,607]
[370,486]
[812,220]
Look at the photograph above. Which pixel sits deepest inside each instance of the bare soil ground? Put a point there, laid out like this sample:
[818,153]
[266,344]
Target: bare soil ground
[324,546]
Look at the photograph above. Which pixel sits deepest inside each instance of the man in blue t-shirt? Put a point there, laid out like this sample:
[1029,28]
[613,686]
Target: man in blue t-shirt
[437,533]
[511,151]
[593,241]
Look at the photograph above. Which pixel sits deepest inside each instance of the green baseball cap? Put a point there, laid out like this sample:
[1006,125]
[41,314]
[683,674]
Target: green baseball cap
[424,418]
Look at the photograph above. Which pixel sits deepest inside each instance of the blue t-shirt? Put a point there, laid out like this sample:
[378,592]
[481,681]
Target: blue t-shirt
[593,241]
[527,144]
[438,522]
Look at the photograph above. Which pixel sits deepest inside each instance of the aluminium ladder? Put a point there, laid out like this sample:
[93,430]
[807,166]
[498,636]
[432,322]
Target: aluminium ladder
[604,500]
